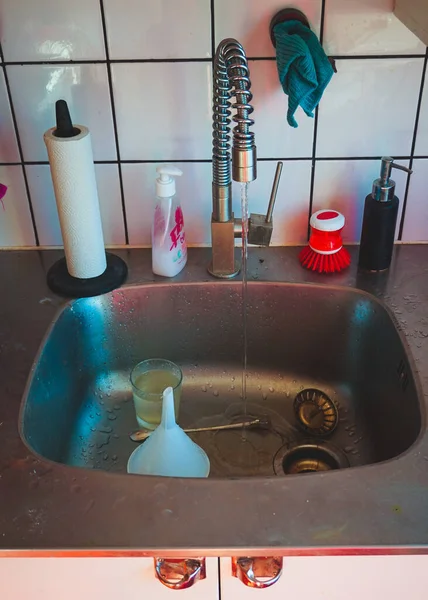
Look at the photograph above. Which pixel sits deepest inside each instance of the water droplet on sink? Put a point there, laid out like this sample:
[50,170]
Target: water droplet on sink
[204,388]
[215,392]
[264,396]
[271,389]
[232,387]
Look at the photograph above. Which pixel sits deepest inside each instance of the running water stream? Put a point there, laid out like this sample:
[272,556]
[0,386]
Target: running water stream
[244,209]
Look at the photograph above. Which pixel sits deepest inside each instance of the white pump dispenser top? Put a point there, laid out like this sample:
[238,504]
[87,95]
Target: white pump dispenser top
[165,183]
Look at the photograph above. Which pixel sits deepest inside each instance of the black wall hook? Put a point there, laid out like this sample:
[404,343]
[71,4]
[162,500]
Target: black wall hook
[292,14]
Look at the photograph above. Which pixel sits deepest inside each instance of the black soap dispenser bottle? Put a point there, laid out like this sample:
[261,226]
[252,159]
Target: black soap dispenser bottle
[380,220]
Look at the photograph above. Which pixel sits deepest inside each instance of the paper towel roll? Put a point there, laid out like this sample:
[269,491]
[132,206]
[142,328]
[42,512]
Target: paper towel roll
[73,176]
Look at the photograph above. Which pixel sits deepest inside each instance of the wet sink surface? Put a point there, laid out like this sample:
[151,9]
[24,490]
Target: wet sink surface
[78,408]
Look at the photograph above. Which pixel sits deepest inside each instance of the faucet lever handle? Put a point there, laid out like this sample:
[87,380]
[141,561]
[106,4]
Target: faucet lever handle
[274,191]
[261,226]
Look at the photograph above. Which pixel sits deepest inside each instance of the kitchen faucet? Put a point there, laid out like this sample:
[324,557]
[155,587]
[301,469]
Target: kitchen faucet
[231,77]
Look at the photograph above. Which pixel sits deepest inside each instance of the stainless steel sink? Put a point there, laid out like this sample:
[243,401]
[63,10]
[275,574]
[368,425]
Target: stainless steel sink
[78,408]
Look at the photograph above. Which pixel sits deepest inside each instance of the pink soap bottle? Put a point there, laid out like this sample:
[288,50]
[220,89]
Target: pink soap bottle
[169,250]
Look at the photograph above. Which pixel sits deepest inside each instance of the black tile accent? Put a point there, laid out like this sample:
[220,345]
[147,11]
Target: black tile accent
[331,158]
[374,56]
[219,578]
[412,156]
[103,62]
[315,139]
[193,59]
[21,154]
[208,160]
[213,46]
[113,111]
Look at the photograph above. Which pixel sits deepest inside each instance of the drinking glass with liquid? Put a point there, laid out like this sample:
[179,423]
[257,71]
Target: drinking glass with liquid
[149,379]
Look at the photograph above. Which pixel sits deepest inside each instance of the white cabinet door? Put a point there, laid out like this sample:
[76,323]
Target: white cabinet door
[95,579]
[337,578]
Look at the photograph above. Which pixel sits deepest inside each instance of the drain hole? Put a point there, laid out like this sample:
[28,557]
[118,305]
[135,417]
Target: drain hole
[316,413]
[308,457]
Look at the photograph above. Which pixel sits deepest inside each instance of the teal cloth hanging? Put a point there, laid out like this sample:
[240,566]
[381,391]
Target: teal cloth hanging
[303,67]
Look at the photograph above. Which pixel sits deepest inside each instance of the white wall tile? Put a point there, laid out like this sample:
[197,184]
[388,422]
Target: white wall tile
[248,22]
[344,185]
[274,137]
[45,211]
[36,88]
[369,108]
[290,216]
[51,30]
[367,27]
[110,203]
[163,110]
[44,207]
[16,228]
[194,189]
[8,146]
[421,148]
[416,220]
[161,29]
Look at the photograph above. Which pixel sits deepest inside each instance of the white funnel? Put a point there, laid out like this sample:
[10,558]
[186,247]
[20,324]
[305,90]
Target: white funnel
[169,451]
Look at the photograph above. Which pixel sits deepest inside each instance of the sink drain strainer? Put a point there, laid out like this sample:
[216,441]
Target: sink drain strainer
[316,412]
[308,457]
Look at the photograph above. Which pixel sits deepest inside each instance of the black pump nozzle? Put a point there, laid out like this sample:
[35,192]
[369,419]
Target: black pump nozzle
[64,126]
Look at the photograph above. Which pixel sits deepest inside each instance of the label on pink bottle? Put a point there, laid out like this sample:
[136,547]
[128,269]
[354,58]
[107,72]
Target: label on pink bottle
[178,237]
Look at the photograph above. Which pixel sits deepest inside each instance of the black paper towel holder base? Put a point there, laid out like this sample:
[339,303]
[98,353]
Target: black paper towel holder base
[62,283]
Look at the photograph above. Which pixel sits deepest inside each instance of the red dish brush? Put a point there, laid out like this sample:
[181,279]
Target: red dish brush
[325,252]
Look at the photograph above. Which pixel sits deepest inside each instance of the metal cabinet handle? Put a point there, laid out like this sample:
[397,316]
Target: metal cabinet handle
[179,574]
[257,572]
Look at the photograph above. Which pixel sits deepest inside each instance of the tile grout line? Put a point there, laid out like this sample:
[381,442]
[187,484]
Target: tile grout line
[412,152]
[208,160]
[213,52]
[20,151]
[219,577]
[315,138]
[113,113]
[213,45]
[196,59]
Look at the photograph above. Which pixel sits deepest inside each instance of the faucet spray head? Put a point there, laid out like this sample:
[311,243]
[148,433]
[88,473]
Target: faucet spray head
[244,164]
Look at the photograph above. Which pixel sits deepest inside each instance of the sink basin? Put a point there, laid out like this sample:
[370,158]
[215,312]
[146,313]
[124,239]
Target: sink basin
[341,342]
